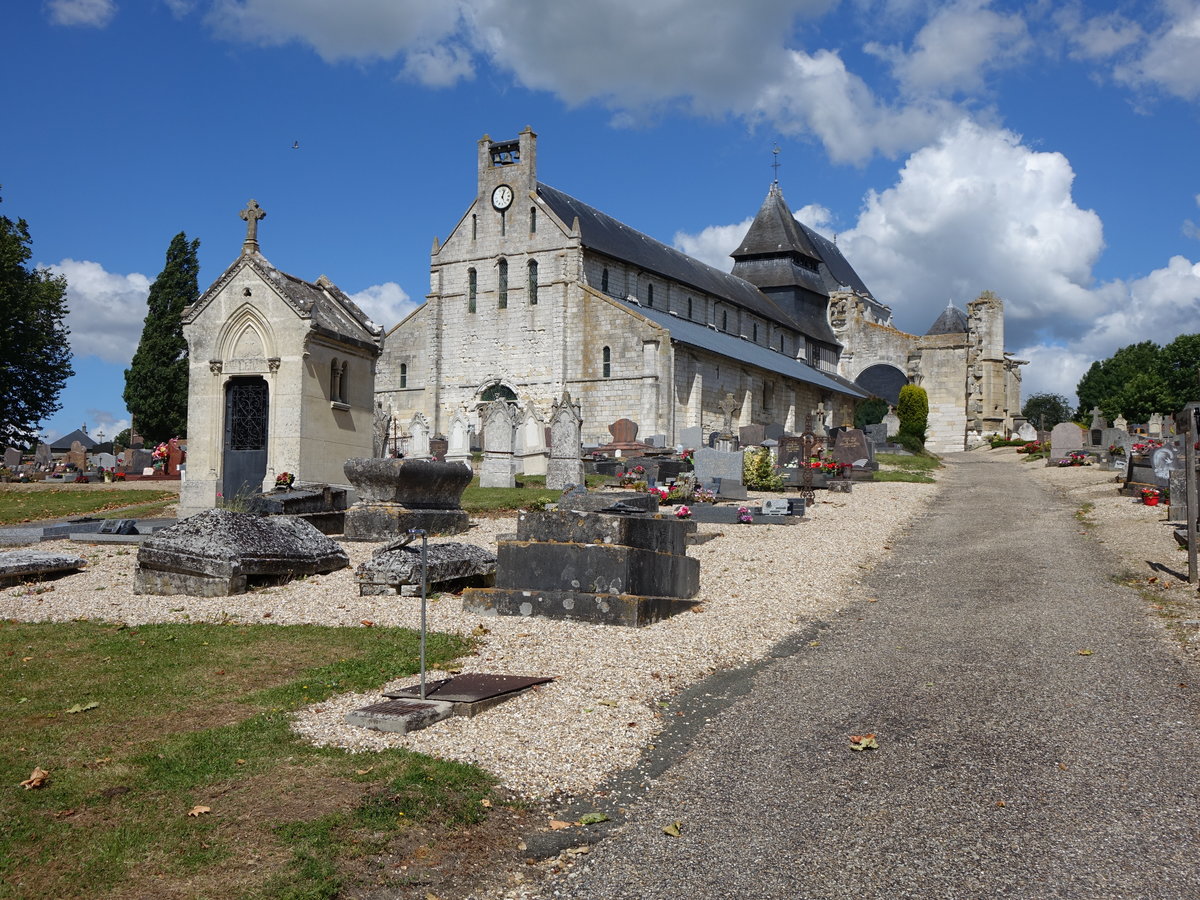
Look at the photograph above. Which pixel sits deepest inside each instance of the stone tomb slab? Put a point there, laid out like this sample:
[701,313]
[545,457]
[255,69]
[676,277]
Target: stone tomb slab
[217,553]
[629,610]
[18,566]
[471,693]
[449,566]
[400,716]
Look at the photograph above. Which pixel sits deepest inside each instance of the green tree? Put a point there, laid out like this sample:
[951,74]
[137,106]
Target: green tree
[912,409]
[1046,410]
[1143,395]
[35,356]
[870,412]
[1104,381]
[1179,366]
[156,382]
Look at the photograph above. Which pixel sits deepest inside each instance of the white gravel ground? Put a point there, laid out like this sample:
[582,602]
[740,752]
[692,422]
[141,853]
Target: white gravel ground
[757,585]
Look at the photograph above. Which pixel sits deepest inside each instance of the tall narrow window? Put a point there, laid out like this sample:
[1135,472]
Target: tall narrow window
[403,375]
[604,280]
[649,295]
[503,286]
[606,359]
[724,320]
[780,343]
[533,220]
[533,275]
[472,289]
[503,224]
[689,307]
[474,226]
[335,381]
[756,332]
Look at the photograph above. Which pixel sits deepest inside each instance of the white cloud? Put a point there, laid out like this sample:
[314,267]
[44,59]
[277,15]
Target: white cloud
[442,66]
[1170,58]
[106,421]
[386,304]
[956,47]
[89,13]
[106,310]
[1098,38]
[348,29]
[713,244]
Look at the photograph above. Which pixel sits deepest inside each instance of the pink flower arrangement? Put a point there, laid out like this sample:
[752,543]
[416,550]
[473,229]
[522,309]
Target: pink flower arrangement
[744,515]
[683,512]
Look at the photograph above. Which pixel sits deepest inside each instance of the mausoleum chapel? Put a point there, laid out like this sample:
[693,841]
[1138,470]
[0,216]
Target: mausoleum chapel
[534,293]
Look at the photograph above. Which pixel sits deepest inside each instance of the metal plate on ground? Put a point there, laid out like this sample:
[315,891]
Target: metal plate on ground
[469,688]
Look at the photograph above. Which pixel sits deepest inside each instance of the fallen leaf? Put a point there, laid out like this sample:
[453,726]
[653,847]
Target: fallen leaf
[64,813]
[1063,766]
[1001,804]
[592,818]
[26,658]
[673,829]
[83,707]
[198,810]
[38,779]
[367,622]
[1084,652]
[558,824]
[814,643]
[363,771]
[607,702]
[485,802]
[480,631]
[863,742]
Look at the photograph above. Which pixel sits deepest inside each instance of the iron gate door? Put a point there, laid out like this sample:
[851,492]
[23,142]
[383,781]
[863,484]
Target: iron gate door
[245,457]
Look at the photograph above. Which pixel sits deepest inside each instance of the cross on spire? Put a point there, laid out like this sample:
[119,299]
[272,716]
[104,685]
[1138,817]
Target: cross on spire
[250,215]
[775,164]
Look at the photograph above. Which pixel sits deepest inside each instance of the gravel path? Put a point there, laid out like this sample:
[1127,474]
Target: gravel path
[1037,735]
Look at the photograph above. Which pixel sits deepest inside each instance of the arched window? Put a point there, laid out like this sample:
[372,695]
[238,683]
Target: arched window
[533,220]
[606,360]
[533,276]
[781,342]
[403,375]
[342,381]
[649,295]
[503,285]
[335,380]
[474,226]
[472,289]
[604,279]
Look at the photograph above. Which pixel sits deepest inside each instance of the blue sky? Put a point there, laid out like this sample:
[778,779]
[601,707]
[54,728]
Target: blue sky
[1043,150]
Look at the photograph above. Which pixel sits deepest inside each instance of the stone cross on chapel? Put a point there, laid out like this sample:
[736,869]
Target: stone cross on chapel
[250,215]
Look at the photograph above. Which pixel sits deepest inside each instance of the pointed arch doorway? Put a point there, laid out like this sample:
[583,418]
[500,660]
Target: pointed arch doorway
[244,456]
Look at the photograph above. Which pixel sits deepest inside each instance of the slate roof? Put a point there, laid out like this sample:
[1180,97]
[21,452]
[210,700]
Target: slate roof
[327,305]
[695,334]
[952,321]
[775,230]
[64,442]
[604,234]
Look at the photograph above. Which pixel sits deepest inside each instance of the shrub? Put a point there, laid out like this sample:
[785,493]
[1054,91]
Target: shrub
[913,412]
[910,442]
[758,471]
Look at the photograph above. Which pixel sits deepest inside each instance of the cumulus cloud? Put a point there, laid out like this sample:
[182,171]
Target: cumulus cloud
[1099,37]
[88,13]
[106,421]
[386,304]
[106,310]
[956,48]
[1170,58]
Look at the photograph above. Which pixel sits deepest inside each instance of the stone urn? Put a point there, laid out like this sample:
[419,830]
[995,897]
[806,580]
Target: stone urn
[397,495]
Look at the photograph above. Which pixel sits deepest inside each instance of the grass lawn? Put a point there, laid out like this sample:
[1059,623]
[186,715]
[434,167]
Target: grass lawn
[172,770]
[897,467]
[534,491]
[60,503]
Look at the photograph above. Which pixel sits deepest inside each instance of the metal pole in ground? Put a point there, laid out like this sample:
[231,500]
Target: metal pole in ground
[424,578]
[1185,425]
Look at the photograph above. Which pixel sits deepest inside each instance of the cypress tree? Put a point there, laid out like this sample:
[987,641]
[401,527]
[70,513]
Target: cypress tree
[35,357]
[156,382]
[912,409]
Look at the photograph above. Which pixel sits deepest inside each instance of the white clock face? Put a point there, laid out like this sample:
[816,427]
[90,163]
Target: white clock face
[502,197]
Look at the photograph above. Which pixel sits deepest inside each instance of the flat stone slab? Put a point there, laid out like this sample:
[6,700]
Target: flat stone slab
[728,515]
[400,716]
[450,563]
[99,537]
[20,537]
[219,552]
[600,609]
[17,566]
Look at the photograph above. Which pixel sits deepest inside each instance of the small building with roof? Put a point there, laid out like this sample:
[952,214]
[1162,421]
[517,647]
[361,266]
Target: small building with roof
[281,379]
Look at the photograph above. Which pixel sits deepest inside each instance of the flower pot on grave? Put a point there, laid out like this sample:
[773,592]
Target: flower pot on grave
[1152,501]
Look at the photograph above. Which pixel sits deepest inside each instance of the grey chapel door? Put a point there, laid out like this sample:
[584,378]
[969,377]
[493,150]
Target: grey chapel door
[245,446]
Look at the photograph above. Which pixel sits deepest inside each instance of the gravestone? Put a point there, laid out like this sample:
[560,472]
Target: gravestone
[692,437]
[458,449]
[1117,437]
[76,456]
[1027,432]
[1064,438]
[418,437]
[624,439]
[1155,428]
[395,568]
[396,495]
[876,434]
[216,553]
[531,451]
[752,435]
[103,461]
[773,431]
[1096,429]
[850,446]
[437,448]
[138,460]
[43,456]
[892,421]
[175,457]
[1121,422]
[18,566]
[721,469]
[566,449]
[602,568]
[12,458]
[499,432]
